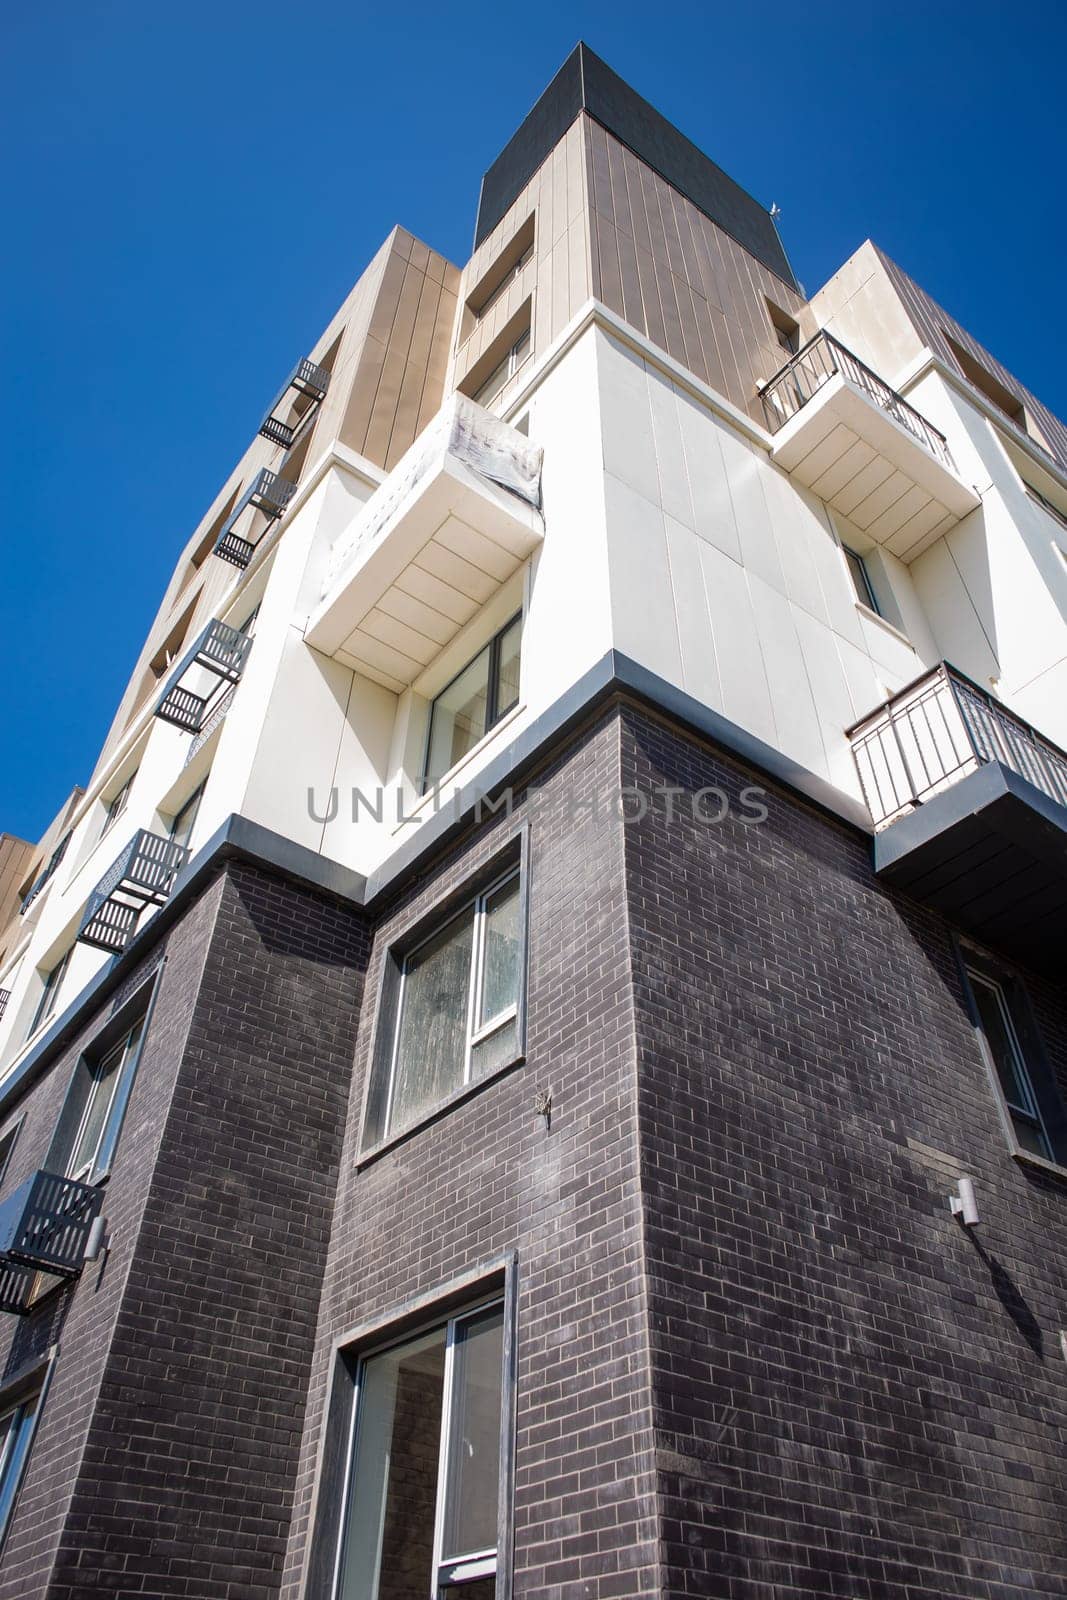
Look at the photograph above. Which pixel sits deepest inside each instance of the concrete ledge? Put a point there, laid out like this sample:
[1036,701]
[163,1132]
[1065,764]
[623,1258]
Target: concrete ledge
[614,677]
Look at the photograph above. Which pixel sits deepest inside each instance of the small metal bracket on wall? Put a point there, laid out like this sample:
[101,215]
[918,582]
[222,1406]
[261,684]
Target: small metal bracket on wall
[543,1105]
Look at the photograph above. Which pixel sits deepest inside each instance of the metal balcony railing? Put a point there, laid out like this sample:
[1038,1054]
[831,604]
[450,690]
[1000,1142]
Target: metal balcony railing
[44,1227]
[5,996]
[266,493]
[307,380]
[142,875]
[936,731]
[820,360]
[221,652]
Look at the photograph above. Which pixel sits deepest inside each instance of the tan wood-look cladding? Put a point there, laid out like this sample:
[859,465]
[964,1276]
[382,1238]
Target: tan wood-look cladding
[932,323]
[394,358]
[16,855]
[667,269]
[558,276]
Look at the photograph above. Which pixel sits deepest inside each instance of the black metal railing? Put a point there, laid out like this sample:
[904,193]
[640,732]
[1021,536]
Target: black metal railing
[142,875]
[221,651]
[936,731]
[815,364]
[307,380]
[267,493]
[5,996]
[45,1223]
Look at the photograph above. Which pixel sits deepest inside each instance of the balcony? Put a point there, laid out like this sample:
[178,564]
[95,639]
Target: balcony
[843,433]
[5,996]
[209,670]
[970,807]
[267,494]
[454,520]
[44,877]
[296,402]
[142,876]
[44,1227]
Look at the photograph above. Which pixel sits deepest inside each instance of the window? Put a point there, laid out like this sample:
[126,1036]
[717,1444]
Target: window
[16,1434]
[1047,505]
[44,877]
[476,699]
[506,369]
[503,272]
[454,1014]
[1000,395]
[7,1144]
[181,829]
[786,328]
[1024,1079]
[46,1005]
[861,579]
[91,1119]
[421,1506]
[117,805]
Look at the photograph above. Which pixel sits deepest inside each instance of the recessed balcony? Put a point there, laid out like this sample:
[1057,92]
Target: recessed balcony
[970,806]
[295,403]
[44,1227]
[268,495]
[454,520]
[845,434]
[205,676]
[142,876]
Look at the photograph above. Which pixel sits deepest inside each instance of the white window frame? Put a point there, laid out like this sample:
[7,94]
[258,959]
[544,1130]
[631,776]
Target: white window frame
[478,1028]
[117,805]
[505,370]
[130,1046]
[474,1564]
[1030,1110]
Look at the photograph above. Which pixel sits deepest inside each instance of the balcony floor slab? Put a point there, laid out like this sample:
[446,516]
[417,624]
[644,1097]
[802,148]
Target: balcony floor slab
[989,853]
[849,451]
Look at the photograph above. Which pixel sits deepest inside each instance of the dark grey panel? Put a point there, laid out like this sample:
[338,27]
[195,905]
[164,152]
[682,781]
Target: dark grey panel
[991,855]
[586,82]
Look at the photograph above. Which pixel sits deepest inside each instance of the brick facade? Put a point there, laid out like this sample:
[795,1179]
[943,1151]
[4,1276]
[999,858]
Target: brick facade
[756,1357]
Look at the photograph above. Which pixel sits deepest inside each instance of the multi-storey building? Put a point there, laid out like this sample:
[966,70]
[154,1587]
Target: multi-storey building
[567,927]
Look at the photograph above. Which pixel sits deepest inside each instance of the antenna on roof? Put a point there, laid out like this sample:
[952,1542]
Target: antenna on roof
[776,210]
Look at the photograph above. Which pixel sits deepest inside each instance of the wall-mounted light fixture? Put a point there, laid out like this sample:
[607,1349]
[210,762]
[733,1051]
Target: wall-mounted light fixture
[964,1205]
[97,1242]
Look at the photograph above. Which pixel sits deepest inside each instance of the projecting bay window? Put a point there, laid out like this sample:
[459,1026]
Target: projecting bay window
[450,1010]
[421,1507]
[476,699]
[1023,1077]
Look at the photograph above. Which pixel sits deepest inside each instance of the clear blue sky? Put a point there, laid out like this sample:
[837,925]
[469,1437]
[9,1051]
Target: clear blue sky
[191,190]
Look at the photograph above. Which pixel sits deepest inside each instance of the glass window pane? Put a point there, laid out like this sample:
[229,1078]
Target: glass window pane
[432,1033]
[478,1589]
[103,1083]
[1010,1068]
[17,1428]
[457,717]
[387,1552]
[497,1048]
[507,678]
[106,1148]
[500,956]
[472,1493]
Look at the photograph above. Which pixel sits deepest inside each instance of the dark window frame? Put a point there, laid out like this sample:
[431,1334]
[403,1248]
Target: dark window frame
[29,1385]
[494,1282]
[494,712]
[49,996]
[512,857]
[1038,1073]
[8,1140]
[868,597]
[136,1011]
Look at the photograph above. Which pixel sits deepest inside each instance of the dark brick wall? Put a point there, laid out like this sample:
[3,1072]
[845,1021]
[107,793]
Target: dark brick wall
[82,1318]
[853,1396]
[186,1481]
[490,1177]
[756,1356]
